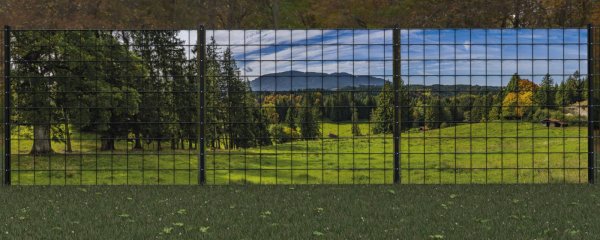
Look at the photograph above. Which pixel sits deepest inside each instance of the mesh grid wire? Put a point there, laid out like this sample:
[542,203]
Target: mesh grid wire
[516,99]
[103,107]
[330,106]
[315,90]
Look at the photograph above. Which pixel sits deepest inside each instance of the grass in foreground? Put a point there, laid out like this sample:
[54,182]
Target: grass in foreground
[493,152]
[302,212]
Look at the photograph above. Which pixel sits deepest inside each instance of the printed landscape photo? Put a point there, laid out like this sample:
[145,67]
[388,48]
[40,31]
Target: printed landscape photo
[301,106]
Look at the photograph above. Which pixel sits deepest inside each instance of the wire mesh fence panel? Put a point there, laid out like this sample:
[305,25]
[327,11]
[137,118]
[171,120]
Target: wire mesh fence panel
[103,107]
[299,106]
[495,105]
[323,106]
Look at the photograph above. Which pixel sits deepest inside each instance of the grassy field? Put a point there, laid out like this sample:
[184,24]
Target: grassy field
[302,212]
[494,152]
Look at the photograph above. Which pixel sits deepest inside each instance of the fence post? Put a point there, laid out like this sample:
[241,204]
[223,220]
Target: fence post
[396,83]
[201,51]
[6,174]
[592,118]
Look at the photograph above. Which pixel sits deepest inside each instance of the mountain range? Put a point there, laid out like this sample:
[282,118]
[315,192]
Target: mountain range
[296,80]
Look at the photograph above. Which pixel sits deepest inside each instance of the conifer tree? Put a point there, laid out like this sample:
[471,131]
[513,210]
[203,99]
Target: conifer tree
[309,127]
[545,95]
[290,118]
[355,127]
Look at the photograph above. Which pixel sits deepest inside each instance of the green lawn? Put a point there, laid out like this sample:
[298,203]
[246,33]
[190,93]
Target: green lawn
[494,152]
[302,212]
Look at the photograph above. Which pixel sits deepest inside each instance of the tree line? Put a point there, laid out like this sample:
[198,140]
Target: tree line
[521,99]
[128,85]
[438,106]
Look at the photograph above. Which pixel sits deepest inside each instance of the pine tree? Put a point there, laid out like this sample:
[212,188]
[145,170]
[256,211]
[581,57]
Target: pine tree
[545,95]
[432,110]
[513,84]
[158,51]
[290,118]
[309,127]
[261,127]
[573,90]
[383,114]
[238,105]
[355,127]
[214,99]
[368,106]
[561,98]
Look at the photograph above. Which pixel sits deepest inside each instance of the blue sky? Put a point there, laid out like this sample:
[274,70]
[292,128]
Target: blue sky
[429,56]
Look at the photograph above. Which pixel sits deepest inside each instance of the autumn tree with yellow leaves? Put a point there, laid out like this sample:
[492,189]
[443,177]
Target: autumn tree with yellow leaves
[518,97]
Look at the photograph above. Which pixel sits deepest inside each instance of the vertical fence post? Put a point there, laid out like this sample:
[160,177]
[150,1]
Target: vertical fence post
[201,51]
[6,174]
[592,120]
[396,83]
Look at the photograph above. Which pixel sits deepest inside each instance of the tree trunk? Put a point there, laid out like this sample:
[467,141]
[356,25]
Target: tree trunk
[41,140]
[158,145]
[182,144]
[68,137]
[174,143]
[190,144]
[137,142]
[108,144]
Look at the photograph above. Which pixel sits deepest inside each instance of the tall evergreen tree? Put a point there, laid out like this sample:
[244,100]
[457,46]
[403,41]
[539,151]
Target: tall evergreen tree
[290,118]
[215,94]
[513,84]
[309,127]
[383,115]
[355,126]
[432,110]
[163,54]
[369,103]
[247,124]
[545,95]
[572,90]
[240,134]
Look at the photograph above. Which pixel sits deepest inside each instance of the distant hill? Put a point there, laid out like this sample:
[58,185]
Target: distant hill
[295,80]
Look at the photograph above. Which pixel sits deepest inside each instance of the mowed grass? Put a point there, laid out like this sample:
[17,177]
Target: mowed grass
[302,212]
[493,152]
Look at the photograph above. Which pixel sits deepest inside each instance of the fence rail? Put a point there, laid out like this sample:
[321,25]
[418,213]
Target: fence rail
[332,106]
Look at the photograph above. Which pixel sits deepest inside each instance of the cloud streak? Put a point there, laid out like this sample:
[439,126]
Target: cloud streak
[477,56]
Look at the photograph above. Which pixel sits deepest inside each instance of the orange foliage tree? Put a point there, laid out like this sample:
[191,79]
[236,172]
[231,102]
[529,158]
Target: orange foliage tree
[518,97]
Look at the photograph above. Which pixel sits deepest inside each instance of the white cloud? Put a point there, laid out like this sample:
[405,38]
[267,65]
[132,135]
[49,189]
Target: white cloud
[260,52]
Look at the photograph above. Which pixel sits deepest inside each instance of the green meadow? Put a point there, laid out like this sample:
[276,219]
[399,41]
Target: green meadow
[493,152]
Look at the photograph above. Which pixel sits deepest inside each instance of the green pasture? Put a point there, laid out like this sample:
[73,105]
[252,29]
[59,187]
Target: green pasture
[493,152]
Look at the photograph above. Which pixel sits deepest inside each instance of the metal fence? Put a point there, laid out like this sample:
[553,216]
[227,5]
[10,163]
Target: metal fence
[330,106]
